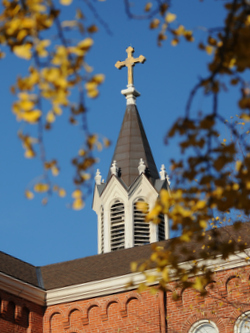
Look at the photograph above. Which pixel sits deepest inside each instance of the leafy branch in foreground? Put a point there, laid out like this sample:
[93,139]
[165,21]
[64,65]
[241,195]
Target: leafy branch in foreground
[212,176]
[33,30]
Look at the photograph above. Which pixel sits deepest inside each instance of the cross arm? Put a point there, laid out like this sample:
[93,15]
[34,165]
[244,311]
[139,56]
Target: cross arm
[120,64]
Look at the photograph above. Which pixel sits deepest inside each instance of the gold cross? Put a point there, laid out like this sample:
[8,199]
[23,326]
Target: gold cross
[129,63]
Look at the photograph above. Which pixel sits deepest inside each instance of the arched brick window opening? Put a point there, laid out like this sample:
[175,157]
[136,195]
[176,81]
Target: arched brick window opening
[25,317]
[242,324]
[141,228]
[117,226]
[204,326]
[11,312]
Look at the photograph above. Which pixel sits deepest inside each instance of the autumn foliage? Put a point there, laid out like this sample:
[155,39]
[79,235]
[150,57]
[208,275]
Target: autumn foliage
[212,179]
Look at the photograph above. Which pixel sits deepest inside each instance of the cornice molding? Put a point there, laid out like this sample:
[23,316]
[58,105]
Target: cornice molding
[22,289]
[94,289]
[105,287]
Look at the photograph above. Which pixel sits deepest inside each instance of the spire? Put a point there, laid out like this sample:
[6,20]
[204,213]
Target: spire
[132,145]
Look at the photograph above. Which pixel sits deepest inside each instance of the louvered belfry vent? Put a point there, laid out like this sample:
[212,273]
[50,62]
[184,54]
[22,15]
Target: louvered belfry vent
[117,226]
[102,231]
[141,228]
[161,228]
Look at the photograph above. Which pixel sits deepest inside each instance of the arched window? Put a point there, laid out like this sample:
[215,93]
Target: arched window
[25,315]
[102,230]
[11,312]
[242,324]
[204,326]
[117,226]
[161,228]
[141,228]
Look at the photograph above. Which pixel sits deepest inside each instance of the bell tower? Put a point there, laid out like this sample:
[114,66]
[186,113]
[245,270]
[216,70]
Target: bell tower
[132,177]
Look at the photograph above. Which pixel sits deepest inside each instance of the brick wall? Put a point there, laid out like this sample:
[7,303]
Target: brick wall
[227,298]
[125,313]
[19,315]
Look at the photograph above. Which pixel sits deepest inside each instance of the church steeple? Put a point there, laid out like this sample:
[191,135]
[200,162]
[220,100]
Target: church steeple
[132,177]
[131,146]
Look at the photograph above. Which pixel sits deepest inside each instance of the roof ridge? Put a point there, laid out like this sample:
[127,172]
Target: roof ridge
[25,262]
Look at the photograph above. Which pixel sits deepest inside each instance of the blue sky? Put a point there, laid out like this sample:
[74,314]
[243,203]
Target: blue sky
[53,233]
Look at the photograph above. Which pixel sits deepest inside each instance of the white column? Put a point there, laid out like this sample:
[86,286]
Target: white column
[106,219]
[128,224]
[166,227]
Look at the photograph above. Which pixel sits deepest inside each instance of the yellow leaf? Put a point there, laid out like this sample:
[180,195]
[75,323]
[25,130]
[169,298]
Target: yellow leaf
[238,165]
[86,176]
[26,105]
[23,51]
[165,275]
[151,278]
[29,153]
[31,116]
[148,7]
[236,186]
[93,93]
[55,170]
[133,266]
[90,85]
[175,41]
[186,237]
[106,142]
[199,284]
[61,192]
[170,17]
[201,204]
[29,194]
[78,204]
[164,196]
[98,78]
[154,23]
[142,206]
[77,194]
[92,29]
[209,49]
[40,187]
[57,110]
[40,47]
[86,43]
[203,224]
[22,34]
[81,152]
[66,2]
[50,117]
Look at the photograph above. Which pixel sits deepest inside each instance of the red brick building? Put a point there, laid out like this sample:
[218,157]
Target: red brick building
[91,295]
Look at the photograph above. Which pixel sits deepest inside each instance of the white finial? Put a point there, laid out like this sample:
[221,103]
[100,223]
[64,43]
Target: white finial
[168,179]
[114,169]
[130,93]
[163,172]
[98,177]
[102,181]
[141,167]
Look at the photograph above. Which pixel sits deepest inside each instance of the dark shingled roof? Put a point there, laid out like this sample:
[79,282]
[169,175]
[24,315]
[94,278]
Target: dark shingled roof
[94,268]
[132,145]
[18,269]
[117,263]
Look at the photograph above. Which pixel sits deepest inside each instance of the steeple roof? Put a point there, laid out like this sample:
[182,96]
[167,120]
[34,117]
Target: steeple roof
[132,145]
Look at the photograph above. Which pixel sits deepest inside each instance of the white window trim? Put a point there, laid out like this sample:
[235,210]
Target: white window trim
[197,324]
[241,319]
